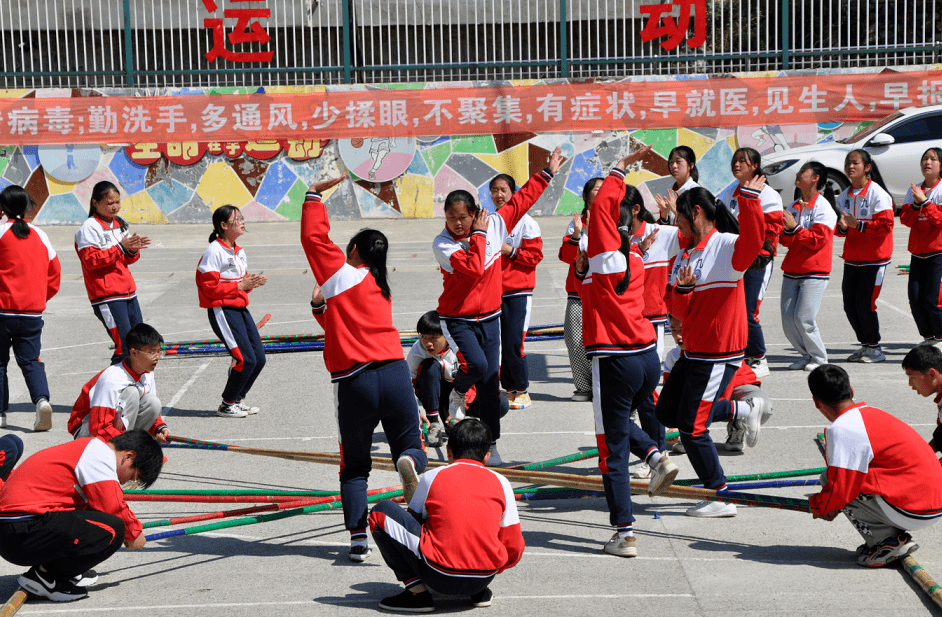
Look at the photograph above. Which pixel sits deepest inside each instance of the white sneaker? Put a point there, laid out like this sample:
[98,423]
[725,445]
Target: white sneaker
[642,471]
[753,422]
[678,448]
[872,354]
[3,419]
[247,409]
[230,411]
[43,416]
[456,406]
[761,368]
[811,366]
[712,509]
[436,437]
[410,479]
[662,477]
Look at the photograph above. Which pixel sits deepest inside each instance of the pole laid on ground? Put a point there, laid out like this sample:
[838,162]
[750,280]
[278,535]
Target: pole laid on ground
[918,574]
[14,603]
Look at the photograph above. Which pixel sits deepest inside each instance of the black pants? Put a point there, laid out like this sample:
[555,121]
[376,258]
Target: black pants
[64,543]
[861,288]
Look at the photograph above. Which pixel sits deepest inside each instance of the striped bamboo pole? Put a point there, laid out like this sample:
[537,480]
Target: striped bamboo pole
[760,476]
[14,603]
[236,493]
[261,518]
[923,579]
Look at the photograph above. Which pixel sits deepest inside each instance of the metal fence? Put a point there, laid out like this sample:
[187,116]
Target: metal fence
[245,43]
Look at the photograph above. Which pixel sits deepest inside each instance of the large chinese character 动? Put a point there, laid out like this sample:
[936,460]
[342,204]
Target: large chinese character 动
[246,30]
[661,23]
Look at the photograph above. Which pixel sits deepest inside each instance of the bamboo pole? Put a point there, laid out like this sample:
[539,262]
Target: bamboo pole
[14,603]
[919,574]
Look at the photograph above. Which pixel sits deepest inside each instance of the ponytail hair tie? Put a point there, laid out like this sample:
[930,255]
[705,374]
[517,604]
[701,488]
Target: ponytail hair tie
[624,228]
[19,217]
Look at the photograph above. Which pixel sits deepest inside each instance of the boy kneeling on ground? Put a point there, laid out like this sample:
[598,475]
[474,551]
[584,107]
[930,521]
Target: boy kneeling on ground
[461,528]
[62,511]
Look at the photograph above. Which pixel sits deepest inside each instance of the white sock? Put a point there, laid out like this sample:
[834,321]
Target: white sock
[654,458]
[627,533]
[741,410]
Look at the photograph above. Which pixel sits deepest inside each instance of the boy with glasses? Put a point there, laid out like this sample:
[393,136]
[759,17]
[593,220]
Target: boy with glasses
[123,396]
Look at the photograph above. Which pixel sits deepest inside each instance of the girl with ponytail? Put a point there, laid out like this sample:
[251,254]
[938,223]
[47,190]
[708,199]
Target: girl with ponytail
[223,283]
[468,251]
[106,249]
[29,277]
[621,344]
[362,350]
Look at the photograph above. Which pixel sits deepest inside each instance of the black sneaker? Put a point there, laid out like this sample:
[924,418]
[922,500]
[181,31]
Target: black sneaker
[482,598]
[359,553]
[44,586]
[85,579]
[408,602]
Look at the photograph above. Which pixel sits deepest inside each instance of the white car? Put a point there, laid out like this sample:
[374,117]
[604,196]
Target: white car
[896,144]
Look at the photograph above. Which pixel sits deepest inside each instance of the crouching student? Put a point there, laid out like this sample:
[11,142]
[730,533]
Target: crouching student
[62,511]
[432,546]
[880,472]
[923,367]
[432,365]
[123,396]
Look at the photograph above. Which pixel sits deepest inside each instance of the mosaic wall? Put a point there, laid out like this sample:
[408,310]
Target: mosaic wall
[270,187]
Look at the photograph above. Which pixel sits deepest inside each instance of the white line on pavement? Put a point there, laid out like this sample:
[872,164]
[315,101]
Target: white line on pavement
[176,397]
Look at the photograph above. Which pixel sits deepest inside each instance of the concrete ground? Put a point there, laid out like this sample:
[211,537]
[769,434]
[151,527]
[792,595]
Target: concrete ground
[763,561]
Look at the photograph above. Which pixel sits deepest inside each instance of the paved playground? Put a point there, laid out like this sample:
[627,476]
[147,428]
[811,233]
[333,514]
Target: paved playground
[763,561]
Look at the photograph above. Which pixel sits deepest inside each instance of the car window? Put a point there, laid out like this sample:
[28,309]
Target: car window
[922,128]
[873,128]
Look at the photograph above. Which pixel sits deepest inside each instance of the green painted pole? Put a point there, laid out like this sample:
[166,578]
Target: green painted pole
[760,476]
[128,47]
[237,493]
[347,26]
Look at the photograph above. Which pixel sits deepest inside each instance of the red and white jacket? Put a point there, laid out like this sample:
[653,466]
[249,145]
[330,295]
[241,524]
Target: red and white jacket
[78,475]
[713,310]
[810,243]
[29,272]
[99,404]
[520,266]
[613,324]
[870,451]
[924,221]
[771,208]
[104,261]
[471,527]
[568,253]
[871,242]
[356,318]
[218,275]
[666,246]
[473,278]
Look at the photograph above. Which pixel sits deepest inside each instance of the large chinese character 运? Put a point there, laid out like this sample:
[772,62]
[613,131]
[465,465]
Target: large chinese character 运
[246,30]
[675,29]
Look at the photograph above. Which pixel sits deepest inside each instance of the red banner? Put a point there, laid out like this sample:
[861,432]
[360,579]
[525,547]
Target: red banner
[467,111]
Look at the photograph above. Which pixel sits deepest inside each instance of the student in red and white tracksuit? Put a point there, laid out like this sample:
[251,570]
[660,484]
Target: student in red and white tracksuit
[223,282]
[62,510]
[123,397]
[709,299]
[809,236]
[362,350]
[682,165]
[867,224]
[106,249]
[520,254]
[922,213]
[620,342]
[746,164]
[574,242]
[880,472]
[468,252]
[29,277]
[461,528]
[658,245]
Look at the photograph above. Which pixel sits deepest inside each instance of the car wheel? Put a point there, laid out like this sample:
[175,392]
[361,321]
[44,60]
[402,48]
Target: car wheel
[837,181]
